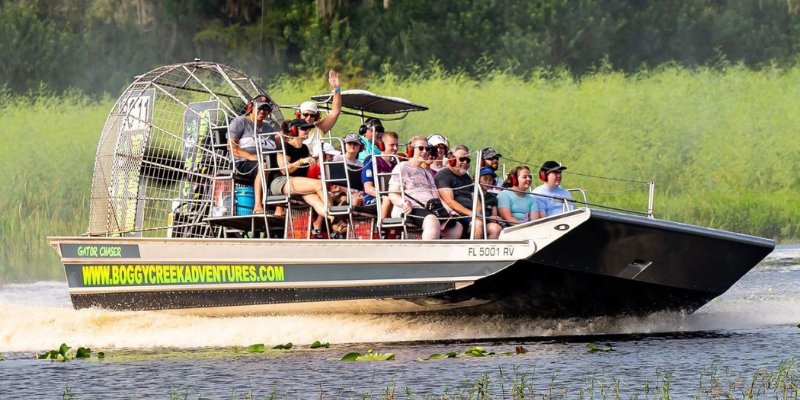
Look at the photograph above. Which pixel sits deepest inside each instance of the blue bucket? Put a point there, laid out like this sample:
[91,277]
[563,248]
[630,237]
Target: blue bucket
[245,200]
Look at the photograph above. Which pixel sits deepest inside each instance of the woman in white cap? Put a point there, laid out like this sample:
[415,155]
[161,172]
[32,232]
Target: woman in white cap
[442,151]
[309,111]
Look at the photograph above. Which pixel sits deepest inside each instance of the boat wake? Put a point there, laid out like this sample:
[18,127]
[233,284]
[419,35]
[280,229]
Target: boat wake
[39,316]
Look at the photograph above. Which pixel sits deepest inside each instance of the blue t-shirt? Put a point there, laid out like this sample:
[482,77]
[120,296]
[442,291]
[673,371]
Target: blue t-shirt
[369,149]
[521,206]
[366,174]
[549,205]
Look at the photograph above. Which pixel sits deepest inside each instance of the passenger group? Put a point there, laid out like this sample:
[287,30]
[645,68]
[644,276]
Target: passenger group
[429,185]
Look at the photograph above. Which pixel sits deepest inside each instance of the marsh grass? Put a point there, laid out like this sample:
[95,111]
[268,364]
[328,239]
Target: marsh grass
[721,145]
[714,382]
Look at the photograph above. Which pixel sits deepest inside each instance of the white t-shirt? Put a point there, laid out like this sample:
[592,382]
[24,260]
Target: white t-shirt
[417,183]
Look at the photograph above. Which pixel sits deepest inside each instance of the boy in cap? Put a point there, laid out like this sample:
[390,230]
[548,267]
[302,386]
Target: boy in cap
[553,201]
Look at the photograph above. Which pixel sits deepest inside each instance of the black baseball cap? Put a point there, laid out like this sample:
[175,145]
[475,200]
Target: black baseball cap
[550,166]
[489,152]
[300,123]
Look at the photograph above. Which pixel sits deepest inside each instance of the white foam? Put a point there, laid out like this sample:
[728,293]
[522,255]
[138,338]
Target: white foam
[38,316]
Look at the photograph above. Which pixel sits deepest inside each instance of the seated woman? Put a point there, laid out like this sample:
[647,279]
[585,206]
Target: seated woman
[296,163]
[517,205]
[419,187]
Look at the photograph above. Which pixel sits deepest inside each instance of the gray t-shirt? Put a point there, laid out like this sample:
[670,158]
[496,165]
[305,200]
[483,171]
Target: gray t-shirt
[242,129]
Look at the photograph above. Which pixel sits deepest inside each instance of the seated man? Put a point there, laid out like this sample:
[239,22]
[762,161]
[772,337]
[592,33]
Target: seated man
[456,188]
[491,158]
[553,202]
[410,190]
[384,163]
[242,132]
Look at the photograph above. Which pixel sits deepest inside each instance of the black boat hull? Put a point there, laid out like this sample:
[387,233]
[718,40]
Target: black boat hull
[619,264]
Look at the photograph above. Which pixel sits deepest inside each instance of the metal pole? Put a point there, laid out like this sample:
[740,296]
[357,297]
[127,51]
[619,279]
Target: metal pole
[652,185]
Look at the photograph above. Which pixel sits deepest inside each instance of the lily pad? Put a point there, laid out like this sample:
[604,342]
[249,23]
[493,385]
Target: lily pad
[62,354]
[370,356]
[437,356]
[83,352]
[317,344]
[594,347]
[478,351]
[256,348]
[286,346]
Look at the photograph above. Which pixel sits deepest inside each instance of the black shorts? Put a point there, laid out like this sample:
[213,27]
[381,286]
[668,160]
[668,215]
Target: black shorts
[247,169]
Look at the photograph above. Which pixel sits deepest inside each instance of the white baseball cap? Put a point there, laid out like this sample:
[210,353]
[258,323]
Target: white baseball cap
[328,149]
[309,106]
[436,139]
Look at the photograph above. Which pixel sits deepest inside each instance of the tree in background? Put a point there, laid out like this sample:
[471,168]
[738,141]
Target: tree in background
[100,45]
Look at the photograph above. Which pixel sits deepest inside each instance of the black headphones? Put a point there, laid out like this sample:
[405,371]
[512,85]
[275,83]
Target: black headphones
[369,124]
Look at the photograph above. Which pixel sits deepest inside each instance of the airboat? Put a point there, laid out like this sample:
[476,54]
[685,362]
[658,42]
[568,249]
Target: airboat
[166,232]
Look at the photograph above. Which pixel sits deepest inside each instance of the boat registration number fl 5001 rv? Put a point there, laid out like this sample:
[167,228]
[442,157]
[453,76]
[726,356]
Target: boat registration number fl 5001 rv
[490,251]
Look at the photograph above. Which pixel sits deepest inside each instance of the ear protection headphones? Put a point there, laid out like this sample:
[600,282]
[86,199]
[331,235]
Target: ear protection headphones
[409,150]
[381,146]
[293,131]
[452,160]
[512,177]
[297,114]
[369,124]
[542,175]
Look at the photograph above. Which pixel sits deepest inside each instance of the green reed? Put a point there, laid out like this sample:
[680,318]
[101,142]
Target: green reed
[714,382]
[720,144]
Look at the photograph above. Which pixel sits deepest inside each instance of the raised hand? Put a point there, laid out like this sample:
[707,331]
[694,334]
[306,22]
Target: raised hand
[333,78]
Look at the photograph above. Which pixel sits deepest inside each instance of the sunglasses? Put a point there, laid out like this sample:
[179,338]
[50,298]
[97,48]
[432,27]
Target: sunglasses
[306,115]
[422,148]
[465,159]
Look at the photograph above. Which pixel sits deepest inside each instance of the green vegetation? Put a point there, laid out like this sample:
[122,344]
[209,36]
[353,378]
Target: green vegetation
[369,356]
[781,382]
[592,347]
[64,353]
[721,145]
[317,344]
[105,44]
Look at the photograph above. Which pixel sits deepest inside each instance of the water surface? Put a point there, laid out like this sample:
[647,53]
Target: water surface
[153,354]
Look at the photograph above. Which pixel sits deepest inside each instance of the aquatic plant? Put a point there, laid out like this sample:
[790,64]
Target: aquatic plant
[256,348]
[286,346]
[317,344]
[370,356]
[591,347]
[62,354]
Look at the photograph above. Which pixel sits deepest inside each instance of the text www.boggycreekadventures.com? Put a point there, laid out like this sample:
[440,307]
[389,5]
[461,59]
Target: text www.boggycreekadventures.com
[104,275]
